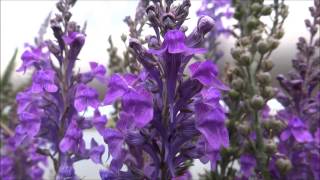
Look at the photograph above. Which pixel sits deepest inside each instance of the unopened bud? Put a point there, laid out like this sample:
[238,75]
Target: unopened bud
[256,36]
[123,37]
[244,128]
[274,125]
[183,28]
[205,24]
[252,22]
[279,34]
[236,52]
[153,42]
[274,43]
[264,78]
[245,41]
[234,94]
[266,10]
[271,146]
[257,102]
[256,7]
[268,92]
[284,165]
[245,59]
[168,21]
[266,65]
[263,47]
[60,6]
[67,16]
[237,84]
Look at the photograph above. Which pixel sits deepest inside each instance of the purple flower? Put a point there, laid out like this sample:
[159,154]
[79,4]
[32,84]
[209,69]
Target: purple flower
[30,123]
[135,100]
[72,141]
[139,104]
[85,96]
[206,73]
[248,163]
[117,86]
[174,43]
[210,122]
[99,122]
[96,71]
[298,130]
[43,80]
[34,56]
[96,151]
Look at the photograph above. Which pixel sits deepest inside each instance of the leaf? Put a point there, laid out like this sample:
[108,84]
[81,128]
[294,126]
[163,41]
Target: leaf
[4,81]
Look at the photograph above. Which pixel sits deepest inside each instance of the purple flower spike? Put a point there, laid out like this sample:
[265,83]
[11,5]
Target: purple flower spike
[206,73]
[298,130]
[96,152]
[85,97]
[43,80]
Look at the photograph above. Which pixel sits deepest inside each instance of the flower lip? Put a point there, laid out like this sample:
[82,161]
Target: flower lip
[174,43]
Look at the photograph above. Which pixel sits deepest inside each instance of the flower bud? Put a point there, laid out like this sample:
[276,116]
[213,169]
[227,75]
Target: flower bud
[123,37]
[274,43]
[60,6]
[245,41]
[279,34]
[271,146]
[67,16]
[284,11]
[168,20]
[256,7]
[183,28]
[153,42]
[245,59]
[256,36]
[264,78]
[234,94]
[244,128]
[266,65]
[237,84]
[205,24]
[236,52]
[268,92]
[266,10]
[275,125]
[284,165]
[252,22]
[263,47]
[257,102]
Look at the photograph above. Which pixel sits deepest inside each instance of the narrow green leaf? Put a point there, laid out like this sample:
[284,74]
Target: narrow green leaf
[5,79]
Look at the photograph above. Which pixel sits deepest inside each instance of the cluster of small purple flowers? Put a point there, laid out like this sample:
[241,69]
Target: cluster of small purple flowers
[51,124]
[168,118]
[300,96]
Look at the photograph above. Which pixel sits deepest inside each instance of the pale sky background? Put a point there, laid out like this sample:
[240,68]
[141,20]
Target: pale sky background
[20,22]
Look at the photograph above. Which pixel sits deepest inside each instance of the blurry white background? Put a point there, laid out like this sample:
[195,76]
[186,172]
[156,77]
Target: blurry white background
[21,20]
